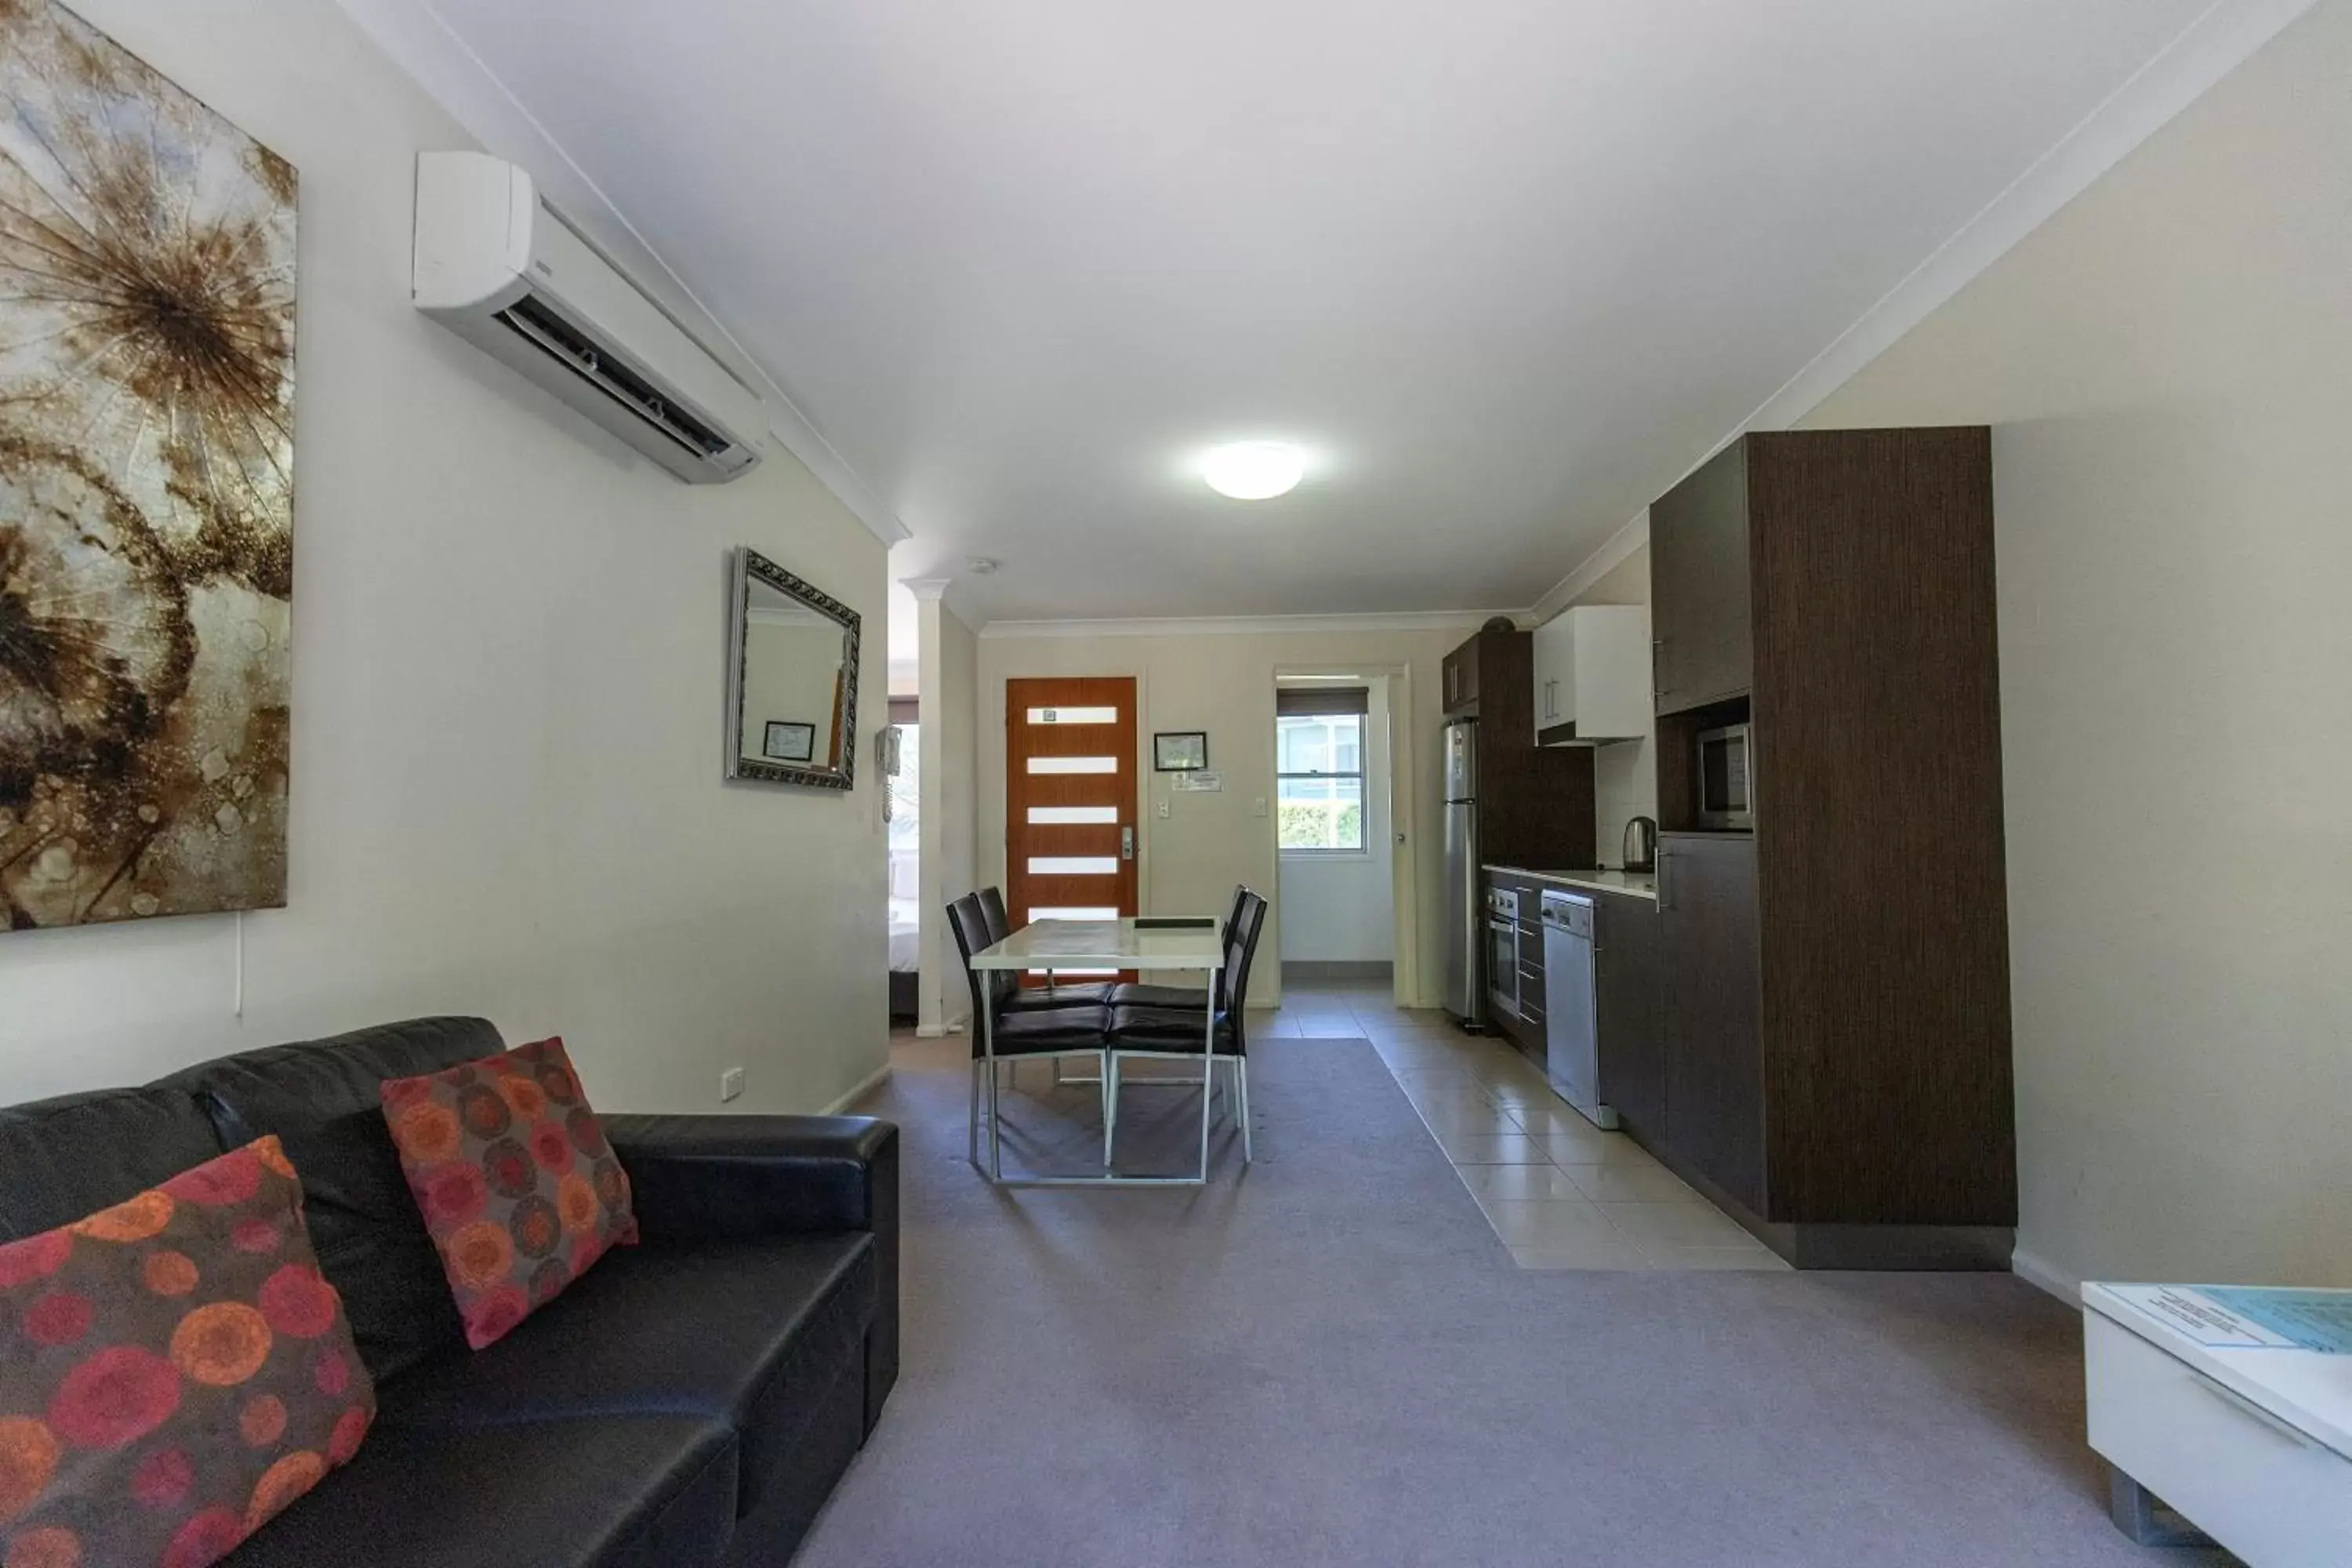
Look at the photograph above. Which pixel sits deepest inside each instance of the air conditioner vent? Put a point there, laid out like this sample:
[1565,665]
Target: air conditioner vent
[503,269]
[533,320]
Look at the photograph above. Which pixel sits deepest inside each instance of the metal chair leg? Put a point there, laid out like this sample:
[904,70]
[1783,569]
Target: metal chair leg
[1208,1085]
[1110,1107]
[995,1121]
[1241,1077]
[971,1152]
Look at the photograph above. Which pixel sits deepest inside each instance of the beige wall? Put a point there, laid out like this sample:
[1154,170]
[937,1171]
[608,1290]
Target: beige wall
[2167,364]
[509,658]
[1223,683]
[950,658]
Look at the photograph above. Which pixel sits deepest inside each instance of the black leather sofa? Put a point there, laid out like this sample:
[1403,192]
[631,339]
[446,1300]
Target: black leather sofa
[690,1401]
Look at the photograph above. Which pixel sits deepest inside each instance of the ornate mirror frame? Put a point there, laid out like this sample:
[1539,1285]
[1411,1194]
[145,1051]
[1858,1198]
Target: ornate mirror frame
[750,566]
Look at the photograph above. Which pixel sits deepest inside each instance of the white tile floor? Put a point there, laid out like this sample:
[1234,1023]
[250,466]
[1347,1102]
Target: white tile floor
[1560,1193]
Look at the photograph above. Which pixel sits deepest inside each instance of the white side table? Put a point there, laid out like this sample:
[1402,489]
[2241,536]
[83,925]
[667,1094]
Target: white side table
[2209,1401]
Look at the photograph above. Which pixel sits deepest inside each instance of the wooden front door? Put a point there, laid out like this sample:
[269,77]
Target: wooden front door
[1069,798]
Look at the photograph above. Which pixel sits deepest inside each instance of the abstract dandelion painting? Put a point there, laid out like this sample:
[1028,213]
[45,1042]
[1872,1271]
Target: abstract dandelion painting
[146,489]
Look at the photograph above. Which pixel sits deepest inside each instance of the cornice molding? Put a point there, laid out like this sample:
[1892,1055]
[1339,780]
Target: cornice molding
[2217,42]
[2224,37]
[1612,555]
[1248,626]
[420,42]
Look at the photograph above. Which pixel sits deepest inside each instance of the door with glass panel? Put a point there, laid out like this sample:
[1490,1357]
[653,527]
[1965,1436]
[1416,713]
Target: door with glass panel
[1069,798]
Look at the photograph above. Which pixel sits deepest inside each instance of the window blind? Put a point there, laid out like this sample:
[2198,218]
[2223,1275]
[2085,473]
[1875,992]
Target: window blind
[1299,701]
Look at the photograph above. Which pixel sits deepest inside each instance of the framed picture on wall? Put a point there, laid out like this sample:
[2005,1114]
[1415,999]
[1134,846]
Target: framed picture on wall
[1180,750]
[789,743]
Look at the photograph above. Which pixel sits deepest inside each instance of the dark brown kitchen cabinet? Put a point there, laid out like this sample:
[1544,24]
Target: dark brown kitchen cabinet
[1699,610]
[1459,677]
[1713,1058]
[1836,982]
[1535,802]
[1626,1000]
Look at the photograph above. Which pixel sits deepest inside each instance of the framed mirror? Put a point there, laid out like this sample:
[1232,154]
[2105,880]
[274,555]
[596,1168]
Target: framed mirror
[792,698]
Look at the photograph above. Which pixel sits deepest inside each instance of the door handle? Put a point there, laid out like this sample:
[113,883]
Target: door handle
[1126,842]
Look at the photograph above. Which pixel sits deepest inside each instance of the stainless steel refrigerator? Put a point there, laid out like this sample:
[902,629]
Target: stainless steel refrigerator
[1466,927]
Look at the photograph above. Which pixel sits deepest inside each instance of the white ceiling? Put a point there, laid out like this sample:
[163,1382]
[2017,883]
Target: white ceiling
[1508,268]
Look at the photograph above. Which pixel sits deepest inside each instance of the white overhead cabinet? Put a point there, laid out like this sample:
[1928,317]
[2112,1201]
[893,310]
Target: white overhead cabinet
[1592,675]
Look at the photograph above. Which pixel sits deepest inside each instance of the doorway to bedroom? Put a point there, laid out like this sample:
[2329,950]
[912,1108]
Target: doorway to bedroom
[902,786]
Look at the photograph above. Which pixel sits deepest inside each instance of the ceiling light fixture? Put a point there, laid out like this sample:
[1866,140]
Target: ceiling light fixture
[1253,470]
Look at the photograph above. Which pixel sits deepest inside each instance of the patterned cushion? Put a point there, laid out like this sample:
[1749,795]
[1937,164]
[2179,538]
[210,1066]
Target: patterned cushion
[173,1372]
[519,1190]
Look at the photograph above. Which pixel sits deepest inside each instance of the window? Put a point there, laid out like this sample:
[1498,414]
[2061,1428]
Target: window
[905,787]
[1318,741]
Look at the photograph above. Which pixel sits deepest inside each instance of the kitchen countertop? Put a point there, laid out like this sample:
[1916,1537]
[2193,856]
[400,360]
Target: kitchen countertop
[1640,884]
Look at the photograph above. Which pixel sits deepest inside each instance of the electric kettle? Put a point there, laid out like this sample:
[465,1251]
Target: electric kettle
[1641,844]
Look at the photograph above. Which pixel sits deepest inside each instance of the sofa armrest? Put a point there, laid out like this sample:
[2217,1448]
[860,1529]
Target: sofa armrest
[715,1178]
[725,1178]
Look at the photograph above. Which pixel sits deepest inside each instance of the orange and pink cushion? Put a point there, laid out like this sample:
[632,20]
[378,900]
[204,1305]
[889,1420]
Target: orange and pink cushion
[173,1372]
[519,1190]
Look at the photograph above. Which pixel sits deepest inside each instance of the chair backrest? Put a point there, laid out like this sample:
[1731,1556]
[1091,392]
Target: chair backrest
[992,907]
[1240,948]
[1223,933]
[969,925]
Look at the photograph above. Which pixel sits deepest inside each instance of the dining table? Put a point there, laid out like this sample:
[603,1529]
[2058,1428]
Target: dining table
[1141,945]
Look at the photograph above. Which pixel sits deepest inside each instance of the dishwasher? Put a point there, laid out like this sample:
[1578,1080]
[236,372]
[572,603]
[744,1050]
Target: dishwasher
[1571,1031]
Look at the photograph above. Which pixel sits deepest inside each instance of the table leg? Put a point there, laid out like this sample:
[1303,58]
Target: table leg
[995,1129]
[2134,1508]
[1208,1070]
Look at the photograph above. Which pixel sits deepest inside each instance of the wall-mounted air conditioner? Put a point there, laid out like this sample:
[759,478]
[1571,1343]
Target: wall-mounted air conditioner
[500,267]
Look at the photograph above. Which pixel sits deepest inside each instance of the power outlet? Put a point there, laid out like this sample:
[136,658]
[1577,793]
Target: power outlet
[730,1084]
[1163,810]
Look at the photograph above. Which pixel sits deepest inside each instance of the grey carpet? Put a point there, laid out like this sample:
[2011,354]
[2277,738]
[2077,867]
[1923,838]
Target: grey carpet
[1329,1359]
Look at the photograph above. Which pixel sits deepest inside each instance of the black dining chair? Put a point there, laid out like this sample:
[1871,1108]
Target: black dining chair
[1014,1035]
[1036,998]
[1181,1033]
[1193,997]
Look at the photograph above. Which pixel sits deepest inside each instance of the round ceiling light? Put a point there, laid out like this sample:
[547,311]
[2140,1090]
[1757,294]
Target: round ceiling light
[1253,470]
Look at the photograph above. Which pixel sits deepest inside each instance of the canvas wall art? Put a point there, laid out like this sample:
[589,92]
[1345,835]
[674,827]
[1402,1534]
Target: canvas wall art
[146,489]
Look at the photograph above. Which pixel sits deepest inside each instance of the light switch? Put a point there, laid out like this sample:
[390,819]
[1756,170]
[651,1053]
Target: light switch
[1259,807]
[1163,811]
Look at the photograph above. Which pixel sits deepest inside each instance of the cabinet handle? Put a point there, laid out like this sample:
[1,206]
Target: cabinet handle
[1666,885]
[2254,1412]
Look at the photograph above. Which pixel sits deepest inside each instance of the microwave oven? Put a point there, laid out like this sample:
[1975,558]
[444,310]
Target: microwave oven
[1727,779]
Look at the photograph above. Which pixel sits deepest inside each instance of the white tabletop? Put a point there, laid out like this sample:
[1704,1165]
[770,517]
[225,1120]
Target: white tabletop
[2309,1389]
[1104,944]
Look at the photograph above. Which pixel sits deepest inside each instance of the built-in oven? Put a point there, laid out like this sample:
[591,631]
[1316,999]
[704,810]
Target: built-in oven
[1503,950]
[1727,779]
